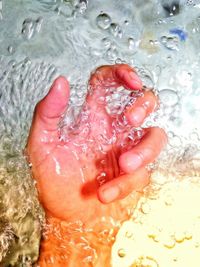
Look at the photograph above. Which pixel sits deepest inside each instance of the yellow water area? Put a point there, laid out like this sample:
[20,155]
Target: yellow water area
[165,231]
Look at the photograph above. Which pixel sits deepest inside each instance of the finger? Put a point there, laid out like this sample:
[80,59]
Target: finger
[52,106]
[116,75]
[112,76]
[144,152]
[127,77]
[141,108]
[122,186]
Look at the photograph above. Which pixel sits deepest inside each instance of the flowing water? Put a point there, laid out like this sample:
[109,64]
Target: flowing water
[44,38]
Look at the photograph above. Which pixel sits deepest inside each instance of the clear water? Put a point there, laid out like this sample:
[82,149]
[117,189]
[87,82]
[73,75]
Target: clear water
[43,38]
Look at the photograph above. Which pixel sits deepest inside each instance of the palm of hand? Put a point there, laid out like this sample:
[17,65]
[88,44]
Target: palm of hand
[69,178]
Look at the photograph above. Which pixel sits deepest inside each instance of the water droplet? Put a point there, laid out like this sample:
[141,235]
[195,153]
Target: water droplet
[129,234]
[106,42]
[145,208]
[175,141]
[115,30]
[147,261]
[171,43]
[112,54]
[38,24]
[101,178]
[168,242]
[188,234]
[168,97]
[172,8]
[168,200]
[126,22]
[11,49]
[131,43]
[179,236]
[30,27]
[118,61]
[190,2]
[27,28]
[147,81]
[121,253]
[103,21]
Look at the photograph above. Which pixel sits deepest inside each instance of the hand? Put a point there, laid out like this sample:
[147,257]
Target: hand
[78,178]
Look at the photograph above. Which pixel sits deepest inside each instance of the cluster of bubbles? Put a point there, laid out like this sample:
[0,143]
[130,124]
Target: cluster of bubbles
[77,125]
[30,27]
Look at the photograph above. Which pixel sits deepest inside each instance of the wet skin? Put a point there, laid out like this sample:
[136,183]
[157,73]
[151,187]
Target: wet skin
[67,176]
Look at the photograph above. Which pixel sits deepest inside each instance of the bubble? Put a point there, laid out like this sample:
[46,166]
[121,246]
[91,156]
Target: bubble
[82,6]
[171,43]
[179,236]
[38,24]
[27,28]
[126,22]
[146,262]
[188,234]
[112,53]
[106,42]
[121,253]
[172,8]
[175,141]
[101,178]
[190,2]
[30,27]
[118,61]
[168,242]
[129,234]
[145,208]
[115,30]
[11,49]
[194,136]
[168,97]
[132,44]
[147,81]
[103,21]
[117,100]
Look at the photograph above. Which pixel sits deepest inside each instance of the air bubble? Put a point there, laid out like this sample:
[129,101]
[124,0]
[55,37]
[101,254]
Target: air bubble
[131,43]
[172,8]
[145,208]
[116,30]
[112,54]
[106,42]
[175,141]
[11,49]
[118,61]
[31,27]
[171,43]
[121,253]
[101,178]
[168,97]
[126,22]
[129,234]
[103,21]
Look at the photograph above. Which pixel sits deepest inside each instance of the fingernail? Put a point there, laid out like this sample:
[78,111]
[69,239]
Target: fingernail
[136,116]
[111,194]
[130,162]
[135,78]
[134,160]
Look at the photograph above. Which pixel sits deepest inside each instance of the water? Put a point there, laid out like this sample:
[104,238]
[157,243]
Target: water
[47,38]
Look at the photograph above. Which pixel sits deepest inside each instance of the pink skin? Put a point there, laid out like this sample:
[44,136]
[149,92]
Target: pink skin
[66,177]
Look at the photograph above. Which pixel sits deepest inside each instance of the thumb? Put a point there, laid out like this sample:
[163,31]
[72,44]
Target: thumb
[50,108]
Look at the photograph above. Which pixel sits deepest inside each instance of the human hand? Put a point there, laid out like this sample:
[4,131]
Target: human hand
[98,163]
